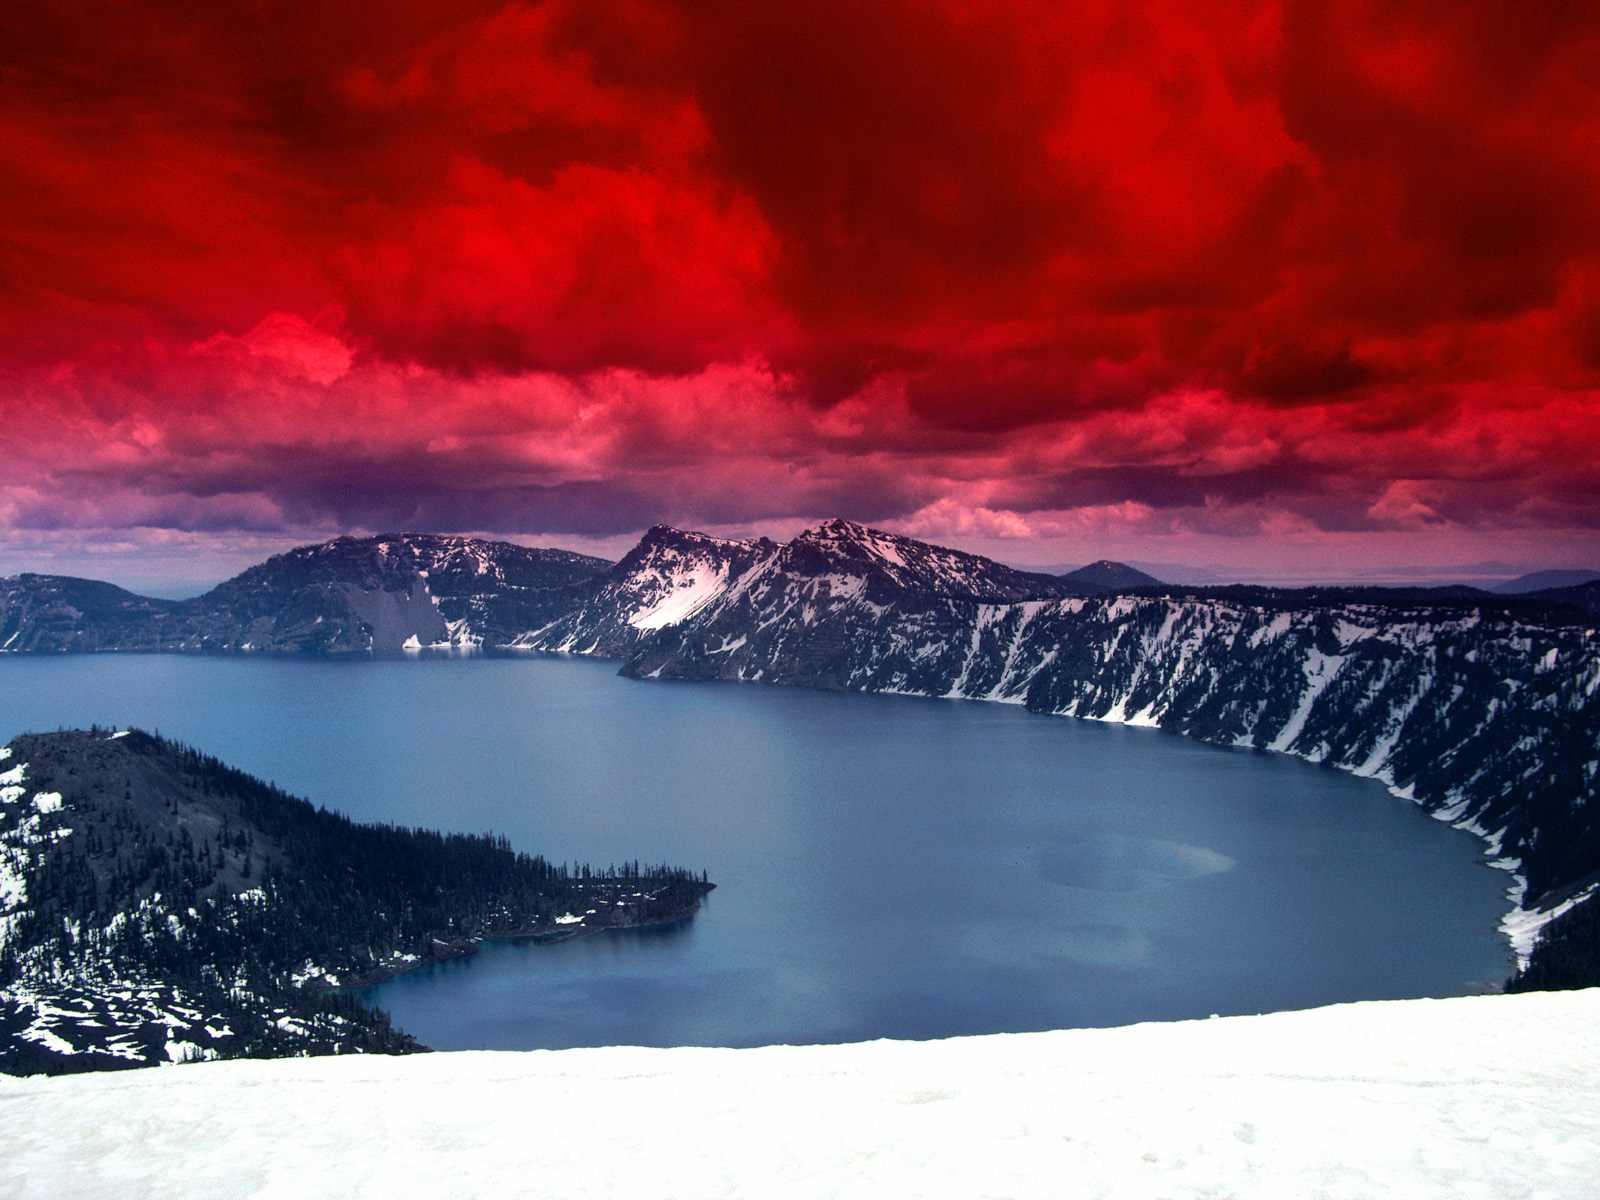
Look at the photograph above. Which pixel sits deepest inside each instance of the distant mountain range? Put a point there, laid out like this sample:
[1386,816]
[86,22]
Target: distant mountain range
[1483,708]
[412,590]
[1488,576]
[348,594]
[395,591]
[1545,581]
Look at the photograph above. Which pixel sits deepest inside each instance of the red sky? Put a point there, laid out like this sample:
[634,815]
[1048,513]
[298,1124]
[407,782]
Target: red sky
[1312,287]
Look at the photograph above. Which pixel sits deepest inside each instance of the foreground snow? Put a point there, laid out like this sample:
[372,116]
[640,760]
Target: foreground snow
[1493,1097]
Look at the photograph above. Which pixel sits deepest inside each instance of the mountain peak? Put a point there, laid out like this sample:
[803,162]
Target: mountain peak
[843,547]
[836,528]
[878,543]
[1111,575]
[670,536]
[661,531]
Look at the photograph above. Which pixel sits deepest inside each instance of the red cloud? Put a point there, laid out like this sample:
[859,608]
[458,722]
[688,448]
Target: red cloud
[568,266]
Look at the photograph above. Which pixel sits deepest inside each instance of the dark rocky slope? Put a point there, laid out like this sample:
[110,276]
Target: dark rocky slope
[59,612]
[156,905]
[1566,954]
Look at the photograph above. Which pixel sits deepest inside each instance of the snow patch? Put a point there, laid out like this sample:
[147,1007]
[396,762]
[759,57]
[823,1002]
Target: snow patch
[48,1038]
[178,1051]
[681,598]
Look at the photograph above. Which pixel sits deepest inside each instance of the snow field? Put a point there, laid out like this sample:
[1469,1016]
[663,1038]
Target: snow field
[1487,1097]
[679,595]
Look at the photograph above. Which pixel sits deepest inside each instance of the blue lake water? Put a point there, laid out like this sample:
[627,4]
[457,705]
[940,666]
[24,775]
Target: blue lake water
[887,866]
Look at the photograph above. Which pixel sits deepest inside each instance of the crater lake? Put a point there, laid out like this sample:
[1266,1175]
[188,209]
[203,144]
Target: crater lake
[886,866]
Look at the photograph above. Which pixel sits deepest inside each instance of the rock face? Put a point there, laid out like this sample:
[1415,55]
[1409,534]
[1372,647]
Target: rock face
[158,906]
[663,581]
[350,594]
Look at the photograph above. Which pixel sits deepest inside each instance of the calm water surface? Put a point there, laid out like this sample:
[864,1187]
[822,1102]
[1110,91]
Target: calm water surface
[888,867]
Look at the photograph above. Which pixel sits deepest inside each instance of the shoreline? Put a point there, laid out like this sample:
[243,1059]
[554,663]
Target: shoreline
[468,948]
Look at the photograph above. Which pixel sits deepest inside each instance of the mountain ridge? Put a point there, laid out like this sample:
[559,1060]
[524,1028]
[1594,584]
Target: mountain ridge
[1446,695]
[348,594]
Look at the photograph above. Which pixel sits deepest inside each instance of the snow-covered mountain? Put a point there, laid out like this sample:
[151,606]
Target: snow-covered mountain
[1484,1096]
[665,580]
[374,593]
[677,581]
[421,589]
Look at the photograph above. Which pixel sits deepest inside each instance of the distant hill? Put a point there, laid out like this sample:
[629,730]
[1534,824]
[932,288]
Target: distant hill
[1544,581]
[1110,576]
[158,906]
